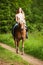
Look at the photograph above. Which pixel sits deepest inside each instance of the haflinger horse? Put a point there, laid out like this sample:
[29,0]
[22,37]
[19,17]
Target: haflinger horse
[19,33]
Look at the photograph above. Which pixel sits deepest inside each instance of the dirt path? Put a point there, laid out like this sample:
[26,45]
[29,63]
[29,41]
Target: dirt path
[26,57]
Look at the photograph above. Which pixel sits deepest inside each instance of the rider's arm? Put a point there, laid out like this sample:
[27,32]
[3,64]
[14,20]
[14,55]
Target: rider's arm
[24,16]
[17,20]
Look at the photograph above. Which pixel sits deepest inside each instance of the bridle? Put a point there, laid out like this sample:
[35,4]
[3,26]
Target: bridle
[21,26]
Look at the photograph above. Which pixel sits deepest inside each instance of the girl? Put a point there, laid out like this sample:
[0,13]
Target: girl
[20,17]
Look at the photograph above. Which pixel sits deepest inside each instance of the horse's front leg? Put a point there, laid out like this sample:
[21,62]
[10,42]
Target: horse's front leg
[22,47]
[17,47]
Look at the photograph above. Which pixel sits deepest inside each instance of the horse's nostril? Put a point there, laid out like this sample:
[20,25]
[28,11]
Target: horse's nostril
[21,28]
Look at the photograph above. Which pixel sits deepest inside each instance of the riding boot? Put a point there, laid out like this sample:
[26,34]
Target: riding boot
[27,35]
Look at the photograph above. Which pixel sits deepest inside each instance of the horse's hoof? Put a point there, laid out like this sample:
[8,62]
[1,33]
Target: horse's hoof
[16,52]
[22,53]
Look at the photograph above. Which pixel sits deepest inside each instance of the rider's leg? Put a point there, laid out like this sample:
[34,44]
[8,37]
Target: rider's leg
[15,25]
[26,32]
[14,28]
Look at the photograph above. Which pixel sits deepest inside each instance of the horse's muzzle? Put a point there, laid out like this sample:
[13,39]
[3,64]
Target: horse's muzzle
[21,28]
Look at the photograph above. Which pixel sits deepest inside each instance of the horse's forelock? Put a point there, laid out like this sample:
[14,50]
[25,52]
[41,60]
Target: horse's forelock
[21,25]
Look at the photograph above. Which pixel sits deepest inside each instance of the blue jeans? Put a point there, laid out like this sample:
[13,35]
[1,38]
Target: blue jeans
[15,25]
[14,28]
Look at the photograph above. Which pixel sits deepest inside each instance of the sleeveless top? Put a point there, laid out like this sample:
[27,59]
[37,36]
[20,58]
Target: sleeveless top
[21,17]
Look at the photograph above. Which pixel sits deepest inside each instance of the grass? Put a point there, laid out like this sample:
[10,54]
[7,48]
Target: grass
[7,39]
[10,57]
[33,45]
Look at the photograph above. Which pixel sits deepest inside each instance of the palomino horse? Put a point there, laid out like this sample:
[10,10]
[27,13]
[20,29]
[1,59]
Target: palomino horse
[19,34]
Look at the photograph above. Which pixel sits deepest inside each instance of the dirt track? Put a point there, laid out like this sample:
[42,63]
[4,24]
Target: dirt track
[26,57]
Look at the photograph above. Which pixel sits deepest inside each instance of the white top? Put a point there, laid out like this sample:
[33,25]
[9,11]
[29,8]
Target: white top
[21,17]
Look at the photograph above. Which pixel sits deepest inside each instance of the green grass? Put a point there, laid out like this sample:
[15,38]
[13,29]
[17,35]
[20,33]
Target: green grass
[13,58]
[33,45]
[7,39]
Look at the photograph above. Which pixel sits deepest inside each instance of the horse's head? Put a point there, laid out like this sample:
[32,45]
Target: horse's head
[21,25]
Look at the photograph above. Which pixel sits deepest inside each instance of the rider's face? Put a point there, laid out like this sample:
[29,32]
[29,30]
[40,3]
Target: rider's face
[20,10]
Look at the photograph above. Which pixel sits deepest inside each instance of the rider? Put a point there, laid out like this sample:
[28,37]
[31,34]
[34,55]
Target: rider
[20,17]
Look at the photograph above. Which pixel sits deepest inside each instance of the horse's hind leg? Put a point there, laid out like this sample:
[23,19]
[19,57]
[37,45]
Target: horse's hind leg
[22,47]
[15,43]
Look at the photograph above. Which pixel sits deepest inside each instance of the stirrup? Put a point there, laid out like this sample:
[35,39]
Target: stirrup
[26,37]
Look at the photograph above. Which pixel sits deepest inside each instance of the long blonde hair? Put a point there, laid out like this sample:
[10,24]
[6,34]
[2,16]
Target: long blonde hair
[21,12]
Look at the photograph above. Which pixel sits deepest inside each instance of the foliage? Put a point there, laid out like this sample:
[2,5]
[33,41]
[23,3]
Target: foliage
[33,11]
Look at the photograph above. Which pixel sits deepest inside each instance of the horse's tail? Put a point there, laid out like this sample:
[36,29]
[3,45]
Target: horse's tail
[13,30]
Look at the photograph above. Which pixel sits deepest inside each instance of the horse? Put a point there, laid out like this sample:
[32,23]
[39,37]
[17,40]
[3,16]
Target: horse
[19,33]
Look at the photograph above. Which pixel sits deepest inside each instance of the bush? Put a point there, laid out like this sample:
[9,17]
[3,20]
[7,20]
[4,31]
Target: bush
[32,8]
